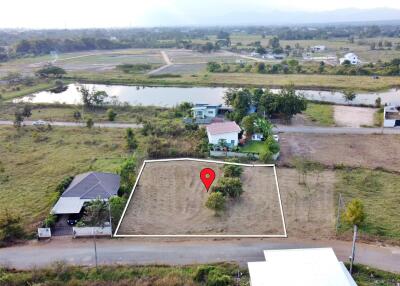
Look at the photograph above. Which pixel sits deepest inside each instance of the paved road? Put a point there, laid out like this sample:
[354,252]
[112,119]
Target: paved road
[335,130]
[79,124]
[135,251]
[278,129]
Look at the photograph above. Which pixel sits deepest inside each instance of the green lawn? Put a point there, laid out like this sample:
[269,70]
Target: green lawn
[253,147]
[380,193]
[320,113]
[35,162]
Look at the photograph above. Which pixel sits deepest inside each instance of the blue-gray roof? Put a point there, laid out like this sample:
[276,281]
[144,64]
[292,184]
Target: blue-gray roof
[93,185]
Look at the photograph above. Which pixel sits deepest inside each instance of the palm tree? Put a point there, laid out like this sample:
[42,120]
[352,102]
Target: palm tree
[354,215]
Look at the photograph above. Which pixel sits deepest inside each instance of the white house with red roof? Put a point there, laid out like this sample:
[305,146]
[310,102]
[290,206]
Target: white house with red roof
[227,130]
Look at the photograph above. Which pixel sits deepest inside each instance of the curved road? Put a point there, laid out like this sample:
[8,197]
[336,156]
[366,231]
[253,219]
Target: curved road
[139,251]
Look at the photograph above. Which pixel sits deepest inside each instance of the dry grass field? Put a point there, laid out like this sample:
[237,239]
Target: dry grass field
[170,198]
[370,151]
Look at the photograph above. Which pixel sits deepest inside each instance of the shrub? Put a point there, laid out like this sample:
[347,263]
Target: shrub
[216,278]
[50,220]
[131,141]
[227,186]
[266,156]
[63,185]
[216,202]
[232,170]
[111,114]
[201,273]
[89,123]
[10,227]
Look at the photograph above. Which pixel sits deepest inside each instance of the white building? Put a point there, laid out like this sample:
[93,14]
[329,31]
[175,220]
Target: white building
[319,48]
[351,57]
[228,131]
[391,116]
[300,267]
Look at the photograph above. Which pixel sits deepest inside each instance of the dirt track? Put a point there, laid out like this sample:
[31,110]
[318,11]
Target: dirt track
[170,199]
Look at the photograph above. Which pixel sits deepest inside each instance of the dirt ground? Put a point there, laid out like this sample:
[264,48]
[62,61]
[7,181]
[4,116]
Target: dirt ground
[369,151]
[352,116]
[309,208]
[170,198]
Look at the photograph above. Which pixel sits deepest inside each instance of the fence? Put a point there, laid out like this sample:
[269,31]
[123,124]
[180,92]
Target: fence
[91,231]
[233,154]
[238,154]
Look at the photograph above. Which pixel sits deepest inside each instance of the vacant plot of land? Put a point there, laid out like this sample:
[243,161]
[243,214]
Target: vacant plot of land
[309,205]
[380,193]
[351,116]
[188,56]
[170,198]
[35,162]
[182,69]
[371,151]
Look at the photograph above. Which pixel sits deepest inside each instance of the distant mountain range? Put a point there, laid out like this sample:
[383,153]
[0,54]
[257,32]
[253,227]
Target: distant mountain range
[253,16]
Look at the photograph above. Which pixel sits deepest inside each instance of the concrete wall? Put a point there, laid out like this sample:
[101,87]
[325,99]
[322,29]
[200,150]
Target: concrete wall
[90,231]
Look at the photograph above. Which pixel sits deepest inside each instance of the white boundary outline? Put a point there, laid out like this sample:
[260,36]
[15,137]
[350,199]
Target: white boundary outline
[203,235]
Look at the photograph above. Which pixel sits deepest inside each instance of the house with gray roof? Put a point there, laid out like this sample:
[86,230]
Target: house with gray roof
[85,188]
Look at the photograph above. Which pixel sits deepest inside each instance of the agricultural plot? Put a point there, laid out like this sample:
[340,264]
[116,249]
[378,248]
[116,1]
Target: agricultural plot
[188,56]
[169,200]
[182,69]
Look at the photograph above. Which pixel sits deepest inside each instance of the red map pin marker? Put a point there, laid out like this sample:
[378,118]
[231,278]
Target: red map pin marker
[207,176]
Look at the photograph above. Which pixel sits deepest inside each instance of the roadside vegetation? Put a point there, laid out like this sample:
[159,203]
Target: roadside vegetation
[158,275]
[209,275]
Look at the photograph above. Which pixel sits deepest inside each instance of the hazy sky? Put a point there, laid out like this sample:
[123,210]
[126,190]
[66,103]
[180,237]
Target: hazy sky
[124,13]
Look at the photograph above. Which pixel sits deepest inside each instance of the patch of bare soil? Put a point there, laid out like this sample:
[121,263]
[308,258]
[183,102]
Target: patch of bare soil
[369,151]
[170,198]
[352,116]
[308,204]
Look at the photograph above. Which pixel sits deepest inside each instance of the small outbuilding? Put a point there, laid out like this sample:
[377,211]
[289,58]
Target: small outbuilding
[302,267]
[391,116]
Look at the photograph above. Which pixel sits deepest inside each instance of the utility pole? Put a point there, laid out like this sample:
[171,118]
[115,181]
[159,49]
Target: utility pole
[353,249]
[338,212]
[95,248]
[109,212]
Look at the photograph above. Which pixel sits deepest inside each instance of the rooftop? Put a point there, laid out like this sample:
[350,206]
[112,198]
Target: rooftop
[302,267]
[223,127]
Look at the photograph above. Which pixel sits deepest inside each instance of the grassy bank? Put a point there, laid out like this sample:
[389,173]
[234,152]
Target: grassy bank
[8,93]
[380,193]
[322,114]
[36,161]
[323,82]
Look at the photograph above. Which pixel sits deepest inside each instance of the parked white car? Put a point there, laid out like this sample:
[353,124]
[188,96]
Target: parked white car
[39,123]
[276,137]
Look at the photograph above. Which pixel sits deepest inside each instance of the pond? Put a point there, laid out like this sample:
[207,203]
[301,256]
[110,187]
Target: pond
[171,96]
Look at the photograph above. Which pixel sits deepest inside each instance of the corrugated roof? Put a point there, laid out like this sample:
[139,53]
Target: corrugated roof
[92,185]
[223,127]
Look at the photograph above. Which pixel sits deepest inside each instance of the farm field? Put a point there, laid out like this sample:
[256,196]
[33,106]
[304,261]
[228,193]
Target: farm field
[370,151]
[172,192]
[35,163]
[94,61]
